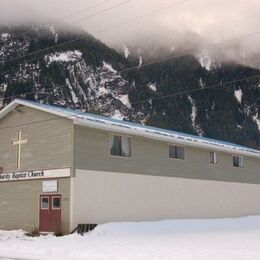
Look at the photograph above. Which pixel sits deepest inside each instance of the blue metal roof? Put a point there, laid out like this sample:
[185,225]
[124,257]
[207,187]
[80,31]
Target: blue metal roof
[148,129]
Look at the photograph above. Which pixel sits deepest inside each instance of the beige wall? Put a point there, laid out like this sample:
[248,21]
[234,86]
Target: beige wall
[101,197]
[49,146]
[150,157]
[107,188]
[50,143]
[19,204]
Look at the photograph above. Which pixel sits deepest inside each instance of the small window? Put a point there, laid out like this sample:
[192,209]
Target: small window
[44,203]
[176,152]
[56,202]
[213,157]
[120,146]
[238,161]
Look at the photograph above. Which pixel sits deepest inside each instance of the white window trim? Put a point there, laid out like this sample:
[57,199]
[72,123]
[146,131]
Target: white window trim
[48,202]
[53,197]
[217,154]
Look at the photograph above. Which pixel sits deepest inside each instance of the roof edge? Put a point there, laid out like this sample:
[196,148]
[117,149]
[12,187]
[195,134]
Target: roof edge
[18,102]
[135,131]
[168,139]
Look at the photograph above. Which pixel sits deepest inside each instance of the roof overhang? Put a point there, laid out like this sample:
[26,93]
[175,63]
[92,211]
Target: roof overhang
[18,102]
[117,128]
[173,140]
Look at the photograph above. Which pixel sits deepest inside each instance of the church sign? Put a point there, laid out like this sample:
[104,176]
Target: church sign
[34,174]
[50,186]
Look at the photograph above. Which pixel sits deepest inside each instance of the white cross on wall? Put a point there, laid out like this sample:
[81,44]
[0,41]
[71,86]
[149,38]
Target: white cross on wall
[19,143]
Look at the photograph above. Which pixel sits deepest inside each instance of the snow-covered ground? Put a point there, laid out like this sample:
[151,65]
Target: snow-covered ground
[229,239]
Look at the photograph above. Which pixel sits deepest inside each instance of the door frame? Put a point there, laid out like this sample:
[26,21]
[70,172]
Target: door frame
[39,207]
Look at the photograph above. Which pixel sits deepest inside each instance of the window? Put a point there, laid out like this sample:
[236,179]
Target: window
[120,146]
[176,152]
[44,203]
[238,161]
[56,202]
[213,157]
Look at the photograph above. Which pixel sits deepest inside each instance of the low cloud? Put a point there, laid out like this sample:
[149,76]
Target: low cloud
[211,21]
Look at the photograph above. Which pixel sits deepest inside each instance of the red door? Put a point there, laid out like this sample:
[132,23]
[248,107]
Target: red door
[50,213]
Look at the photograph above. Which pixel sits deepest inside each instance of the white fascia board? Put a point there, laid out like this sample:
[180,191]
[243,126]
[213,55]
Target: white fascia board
[126,130]
[18,102]
[169,139]
[8,109]
[44,109]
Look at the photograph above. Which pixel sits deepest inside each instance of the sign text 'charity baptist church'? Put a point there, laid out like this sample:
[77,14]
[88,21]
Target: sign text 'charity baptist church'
[21,175]
[34,174]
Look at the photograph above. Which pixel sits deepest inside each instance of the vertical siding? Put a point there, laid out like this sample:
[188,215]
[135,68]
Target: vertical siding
[150,157]
[19,204]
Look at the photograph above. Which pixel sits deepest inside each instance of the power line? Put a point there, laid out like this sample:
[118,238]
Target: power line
[32,92]
[147,64]
[62,18]
[169,57]
[156,98]
[130,20]
[57,45]
[198,90]
[98,13]
[155,62]
[66,42]
[146,100]
[189,52]
[103,30]
[52,47]
[84,9]
[166,96]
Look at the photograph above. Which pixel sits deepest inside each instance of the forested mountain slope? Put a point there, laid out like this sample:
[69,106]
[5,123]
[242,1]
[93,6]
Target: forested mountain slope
[89,76]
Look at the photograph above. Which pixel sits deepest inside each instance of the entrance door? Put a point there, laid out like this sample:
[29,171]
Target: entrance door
[50,213]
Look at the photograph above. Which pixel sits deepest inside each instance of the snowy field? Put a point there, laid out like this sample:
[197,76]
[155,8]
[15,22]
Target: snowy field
[230,239]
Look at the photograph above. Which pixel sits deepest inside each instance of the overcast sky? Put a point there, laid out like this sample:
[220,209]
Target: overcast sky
[215,20]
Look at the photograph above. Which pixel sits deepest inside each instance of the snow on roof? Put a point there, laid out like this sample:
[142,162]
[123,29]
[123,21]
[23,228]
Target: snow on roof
[103,122]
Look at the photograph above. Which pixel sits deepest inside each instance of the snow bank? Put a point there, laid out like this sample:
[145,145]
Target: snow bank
[216,239]
[173,227]
[13,234]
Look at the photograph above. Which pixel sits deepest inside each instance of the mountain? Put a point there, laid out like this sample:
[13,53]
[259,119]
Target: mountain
[80,75]
[90,76]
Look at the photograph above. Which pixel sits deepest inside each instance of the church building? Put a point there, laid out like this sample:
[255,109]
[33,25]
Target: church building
[60,168]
